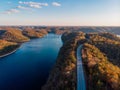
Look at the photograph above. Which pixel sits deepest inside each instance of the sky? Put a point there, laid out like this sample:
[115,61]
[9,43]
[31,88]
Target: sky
[60,12]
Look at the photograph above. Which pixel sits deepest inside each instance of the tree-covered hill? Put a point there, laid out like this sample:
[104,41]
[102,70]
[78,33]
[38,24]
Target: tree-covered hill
[63,75]
[63,29]
[101,74]
[32,33]
[110,46]
[100,55]
[4,44]
[13,35]
[7,47]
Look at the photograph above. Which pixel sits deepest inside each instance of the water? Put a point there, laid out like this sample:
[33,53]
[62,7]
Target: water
[28,68]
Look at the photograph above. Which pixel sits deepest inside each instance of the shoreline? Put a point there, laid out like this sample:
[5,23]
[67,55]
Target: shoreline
[9,53]
[13,51]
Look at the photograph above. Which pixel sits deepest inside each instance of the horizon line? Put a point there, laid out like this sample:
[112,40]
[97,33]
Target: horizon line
[67,25]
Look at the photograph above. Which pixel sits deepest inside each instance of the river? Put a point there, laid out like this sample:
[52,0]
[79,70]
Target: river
[28,68]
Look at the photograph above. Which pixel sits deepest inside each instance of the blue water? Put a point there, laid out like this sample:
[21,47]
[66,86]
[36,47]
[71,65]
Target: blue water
[28,68]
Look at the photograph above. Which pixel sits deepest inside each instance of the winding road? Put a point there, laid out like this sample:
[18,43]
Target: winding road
[81,85]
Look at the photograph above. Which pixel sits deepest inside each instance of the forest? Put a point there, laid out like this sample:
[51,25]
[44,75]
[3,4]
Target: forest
[100,55]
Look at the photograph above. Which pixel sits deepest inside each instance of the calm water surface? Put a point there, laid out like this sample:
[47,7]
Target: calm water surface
[29,66]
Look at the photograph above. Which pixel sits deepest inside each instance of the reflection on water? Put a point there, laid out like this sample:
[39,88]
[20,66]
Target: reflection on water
[28,68]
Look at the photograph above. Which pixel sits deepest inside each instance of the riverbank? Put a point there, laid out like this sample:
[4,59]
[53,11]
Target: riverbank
[11,52]
[63,75]
[14,50]
[26,69]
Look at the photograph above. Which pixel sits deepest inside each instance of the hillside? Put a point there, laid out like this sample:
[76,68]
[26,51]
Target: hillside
[100,55]
[101,74]
[7,47]
[32,33]
[63,76]
[101,61]
[63,29]
[108,45]
[13,35]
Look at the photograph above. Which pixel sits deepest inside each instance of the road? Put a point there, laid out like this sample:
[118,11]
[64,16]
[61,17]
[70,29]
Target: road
[81,85]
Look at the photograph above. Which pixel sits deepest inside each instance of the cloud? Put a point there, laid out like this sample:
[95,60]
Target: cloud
[11,11]
[56,4]
[9,2]
[22,7]
[33,4]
